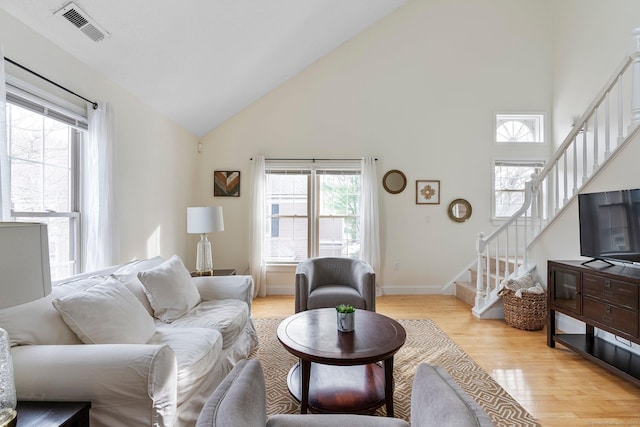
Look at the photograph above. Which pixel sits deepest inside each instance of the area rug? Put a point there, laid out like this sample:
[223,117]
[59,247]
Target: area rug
[426,342]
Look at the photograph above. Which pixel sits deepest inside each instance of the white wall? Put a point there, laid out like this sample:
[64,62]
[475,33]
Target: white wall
[591,38]
[155,161]
[417,90]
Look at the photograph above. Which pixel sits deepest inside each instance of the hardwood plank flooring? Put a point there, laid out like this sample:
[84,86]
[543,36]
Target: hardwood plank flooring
[556,386]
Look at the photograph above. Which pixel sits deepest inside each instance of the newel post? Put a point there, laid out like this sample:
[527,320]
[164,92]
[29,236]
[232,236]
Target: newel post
[635,80]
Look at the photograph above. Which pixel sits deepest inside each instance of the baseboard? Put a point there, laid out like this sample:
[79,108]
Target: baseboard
[386,290]
[495,312]
[413,290]
[280,290]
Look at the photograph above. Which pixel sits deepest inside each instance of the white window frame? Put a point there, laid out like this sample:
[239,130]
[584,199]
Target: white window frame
[311,169]
[508,162]
[517,152]
[31,98]
[536,124]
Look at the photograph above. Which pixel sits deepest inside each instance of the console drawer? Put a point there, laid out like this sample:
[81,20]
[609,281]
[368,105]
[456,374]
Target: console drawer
[616,317]
[613,291]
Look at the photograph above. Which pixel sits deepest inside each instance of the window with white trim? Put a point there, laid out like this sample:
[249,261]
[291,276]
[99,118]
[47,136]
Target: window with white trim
[44,141]
[313,209]
[509,178]
[519,128]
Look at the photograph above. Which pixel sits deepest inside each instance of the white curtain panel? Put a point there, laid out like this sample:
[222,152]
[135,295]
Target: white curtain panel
[99,222]
[5,198]
[370,217]
[257,265]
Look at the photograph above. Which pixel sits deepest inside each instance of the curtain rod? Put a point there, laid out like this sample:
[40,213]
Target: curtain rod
[93,103]
[312,159]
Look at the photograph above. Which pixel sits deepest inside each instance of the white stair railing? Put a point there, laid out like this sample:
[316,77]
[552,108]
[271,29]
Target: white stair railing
[598,134]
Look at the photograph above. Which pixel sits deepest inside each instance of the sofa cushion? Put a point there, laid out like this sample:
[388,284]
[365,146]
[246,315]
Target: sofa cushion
[107,313]
[437,400]
[227,316]
[131,269]
[332,295]
[239,401]
[197,351]
[170,290]
[128,274]
[135,286]
[38,322]
[77,285]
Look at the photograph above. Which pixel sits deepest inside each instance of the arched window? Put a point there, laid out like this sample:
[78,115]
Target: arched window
[520,128]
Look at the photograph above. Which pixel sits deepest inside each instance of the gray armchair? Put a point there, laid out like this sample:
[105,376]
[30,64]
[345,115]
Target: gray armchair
[328,281]
[436,401]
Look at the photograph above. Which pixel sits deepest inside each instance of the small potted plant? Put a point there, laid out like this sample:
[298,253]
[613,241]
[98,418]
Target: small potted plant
[346,317]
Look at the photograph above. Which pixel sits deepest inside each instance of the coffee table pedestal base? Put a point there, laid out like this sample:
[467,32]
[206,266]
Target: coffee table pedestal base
[356,389]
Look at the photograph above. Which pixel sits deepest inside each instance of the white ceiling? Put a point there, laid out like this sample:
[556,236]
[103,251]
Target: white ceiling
[199,62]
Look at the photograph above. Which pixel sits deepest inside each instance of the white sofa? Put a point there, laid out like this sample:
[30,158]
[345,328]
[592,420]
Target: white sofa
[99,337]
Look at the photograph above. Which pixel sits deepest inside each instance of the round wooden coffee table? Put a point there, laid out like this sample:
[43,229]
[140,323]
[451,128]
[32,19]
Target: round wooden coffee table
[338,371]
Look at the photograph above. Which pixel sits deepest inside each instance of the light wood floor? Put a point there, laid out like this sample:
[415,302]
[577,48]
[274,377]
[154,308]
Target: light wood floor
[556,386]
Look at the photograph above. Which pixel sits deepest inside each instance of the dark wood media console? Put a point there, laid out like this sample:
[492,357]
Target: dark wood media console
[604,297]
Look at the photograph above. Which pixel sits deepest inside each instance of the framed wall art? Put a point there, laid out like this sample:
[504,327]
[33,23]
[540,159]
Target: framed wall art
[226,183]
[427,192]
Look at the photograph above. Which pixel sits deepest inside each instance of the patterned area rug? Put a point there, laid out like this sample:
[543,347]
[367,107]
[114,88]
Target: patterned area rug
[426,342]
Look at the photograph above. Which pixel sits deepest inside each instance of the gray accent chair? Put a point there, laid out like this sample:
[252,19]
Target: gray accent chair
[436,401]
[328,281]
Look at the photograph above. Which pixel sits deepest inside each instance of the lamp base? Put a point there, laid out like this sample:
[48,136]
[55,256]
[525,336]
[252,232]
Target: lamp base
[8,417]
[204,260]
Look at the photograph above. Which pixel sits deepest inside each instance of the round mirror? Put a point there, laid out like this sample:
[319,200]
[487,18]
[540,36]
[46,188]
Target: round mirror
[394,181]
[459,210]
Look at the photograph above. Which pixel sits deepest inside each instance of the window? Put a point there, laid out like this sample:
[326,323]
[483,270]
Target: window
[275,221]
[43,148]
[520,144]
[312,211]
[509,185]
[519,128]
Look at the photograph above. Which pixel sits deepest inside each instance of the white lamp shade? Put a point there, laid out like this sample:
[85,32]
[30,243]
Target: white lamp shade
[24,263]
[207,219]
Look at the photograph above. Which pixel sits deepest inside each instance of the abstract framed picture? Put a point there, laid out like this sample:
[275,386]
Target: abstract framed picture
[427,192]
[226,183]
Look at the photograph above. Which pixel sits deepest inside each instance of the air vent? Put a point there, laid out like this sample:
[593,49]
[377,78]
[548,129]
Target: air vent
[79,18]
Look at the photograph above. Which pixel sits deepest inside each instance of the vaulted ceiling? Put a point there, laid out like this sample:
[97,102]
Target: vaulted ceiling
[199,62]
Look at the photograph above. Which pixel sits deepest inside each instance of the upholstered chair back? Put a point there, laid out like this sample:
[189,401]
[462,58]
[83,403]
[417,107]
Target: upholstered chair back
[328,281]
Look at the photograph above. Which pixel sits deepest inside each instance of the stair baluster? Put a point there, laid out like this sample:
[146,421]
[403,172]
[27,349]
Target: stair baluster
[548,193]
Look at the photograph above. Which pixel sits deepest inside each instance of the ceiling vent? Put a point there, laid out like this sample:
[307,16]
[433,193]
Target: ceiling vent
[79,18]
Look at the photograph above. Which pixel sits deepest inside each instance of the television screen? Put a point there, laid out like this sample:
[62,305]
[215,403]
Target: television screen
[610,225]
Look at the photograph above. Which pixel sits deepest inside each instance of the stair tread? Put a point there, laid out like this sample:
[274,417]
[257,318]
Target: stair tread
[467,285]
[466,292]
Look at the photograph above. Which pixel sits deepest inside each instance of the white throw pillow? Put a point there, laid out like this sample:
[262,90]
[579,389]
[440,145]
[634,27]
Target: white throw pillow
[170,290]
[131,269]
[38,322]
[140,292]
[107,313]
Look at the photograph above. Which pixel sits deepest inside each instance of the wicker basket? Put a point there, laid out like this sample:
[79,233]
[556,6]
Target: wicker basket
[528,313]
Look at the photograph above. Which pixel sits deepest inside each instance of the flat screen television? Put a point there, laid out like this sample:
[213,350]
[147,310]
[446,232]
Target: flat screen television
[610,225]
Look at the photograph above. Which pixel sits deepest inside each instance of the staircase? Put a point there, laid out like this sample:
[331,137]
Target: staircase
[466,284]
[597,137]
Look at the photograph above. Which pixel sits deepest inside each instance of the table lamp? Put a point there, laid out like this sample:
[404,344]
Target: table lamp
[203,220]
[24,276]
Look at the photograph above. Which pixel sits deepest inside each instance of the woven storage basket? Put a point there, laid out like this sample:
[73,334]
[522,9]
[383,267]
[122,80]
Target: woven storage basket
[528,313]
